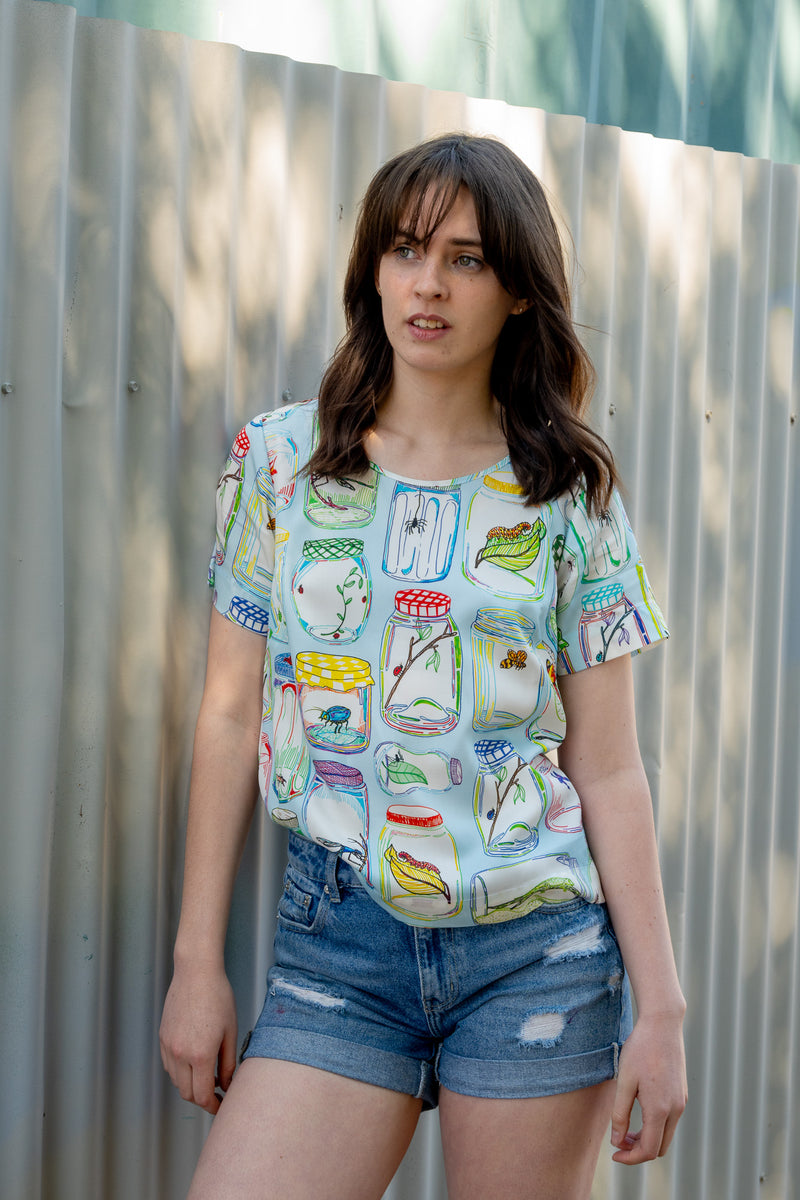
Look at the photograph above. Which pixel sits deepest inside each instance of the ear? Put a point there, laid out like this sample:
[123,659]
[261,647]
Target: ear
[520,307]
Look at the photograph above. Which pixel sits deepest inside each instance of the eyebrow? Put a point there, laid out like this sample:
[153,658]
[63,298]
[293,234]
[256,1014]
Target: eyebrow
[405,235]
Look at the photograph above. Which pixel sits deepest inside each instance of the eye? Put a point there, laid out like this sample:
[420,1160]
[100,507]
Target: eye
[469,261]
[403,252]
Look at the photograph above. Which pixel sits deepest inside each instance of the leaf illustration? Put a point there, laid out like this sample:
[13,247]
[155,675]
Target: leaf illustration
[434,660]
[512,549]
[501,774]
[519,793]
[424,632]
[404,772]
[418,878]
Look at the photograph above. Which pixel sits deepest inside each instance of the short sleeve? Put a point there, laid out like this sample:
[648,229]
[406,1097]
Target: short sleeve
[242,564]
[605,606]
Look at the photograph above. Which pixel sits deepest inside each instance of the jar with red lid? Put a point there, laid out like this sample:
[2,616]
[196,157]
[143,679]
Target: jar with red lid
[421,664]
[420,876]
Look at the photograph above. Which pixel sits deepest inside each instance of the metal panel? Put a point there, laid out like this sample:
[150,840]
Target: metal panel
[174,221]
[724,73]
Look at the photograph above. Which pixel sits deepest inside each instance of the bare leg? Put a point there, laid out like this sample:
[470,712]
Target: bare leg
[286,1130]
[539,1149]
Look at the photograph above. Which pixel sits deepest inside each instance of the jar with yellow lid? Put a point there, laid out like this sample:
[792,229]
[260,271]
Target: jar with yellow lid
[335,698]
[420,875]
[506,547]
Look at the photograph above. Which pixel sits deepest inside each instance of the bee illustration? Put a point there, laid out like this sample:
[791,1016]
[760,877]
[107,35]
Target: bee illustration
[516,659]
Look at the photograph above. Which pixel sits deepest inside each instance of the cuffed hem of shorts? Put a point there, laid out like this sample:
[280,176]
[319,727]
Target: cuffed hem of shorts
[499,1079]
[353,1060]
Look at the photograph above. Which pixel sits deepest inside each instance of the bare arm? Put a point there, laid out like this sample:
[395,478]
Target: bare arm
[601,756]
[198,1027]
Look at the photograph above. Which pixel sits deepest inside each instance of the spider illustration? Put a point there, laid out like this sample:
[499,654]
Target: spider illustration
[417,523]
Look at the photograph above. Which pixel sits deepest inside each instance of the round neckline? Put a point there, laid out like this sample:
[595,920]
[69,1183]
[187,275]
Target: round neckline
[452,481]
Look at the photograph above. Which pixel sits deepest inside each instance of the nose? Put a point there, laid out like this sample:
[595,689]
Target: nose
[430,281]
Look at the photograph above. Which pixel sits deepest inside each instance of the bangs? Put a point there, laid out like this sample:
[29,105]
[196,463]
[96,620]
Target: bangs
[416,194]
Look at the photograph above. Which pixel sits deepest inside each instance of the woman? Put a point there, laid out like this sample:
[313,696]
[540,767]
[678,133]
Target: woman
[434,552]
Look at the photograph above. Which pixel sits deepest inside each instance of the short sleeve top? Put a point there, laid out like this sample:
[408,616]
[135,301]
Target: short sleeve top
[415,632]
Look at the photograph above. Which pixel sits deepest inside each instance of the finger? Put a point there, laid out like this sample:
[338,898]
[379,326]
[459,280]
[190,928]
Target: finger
[227,1059]
[670,1127]
[621,1113]
[203,1092]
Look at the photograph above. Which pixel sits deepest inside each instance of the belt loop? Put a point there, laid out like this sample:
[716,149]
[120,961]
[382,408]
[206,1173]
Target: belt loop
[331,883]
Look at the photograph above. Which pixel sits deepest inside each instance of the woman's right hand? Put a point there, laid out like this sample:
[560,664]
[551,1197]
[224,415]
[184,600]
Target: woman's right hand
[198,1035]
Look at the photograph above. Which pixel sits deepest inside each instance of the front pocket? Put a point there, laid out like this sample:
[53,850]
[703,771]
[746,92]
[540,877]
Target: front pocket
[303,903]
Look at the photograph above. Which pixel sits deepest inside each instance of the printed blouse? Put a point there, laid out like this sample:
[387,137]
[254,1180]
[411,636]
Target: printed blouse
[415,632]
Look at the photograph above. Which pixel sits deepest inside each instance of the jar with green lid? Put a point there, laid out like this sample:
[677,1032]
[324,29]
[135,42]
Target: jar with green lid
[331,589]
[420,875]
[505,694]
[506,548]
[421,664]
[335,698]
[509,799]
[609,619]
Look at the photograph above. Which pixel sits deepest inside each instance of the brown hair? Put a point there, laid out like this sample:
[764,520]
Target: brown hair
[541,376]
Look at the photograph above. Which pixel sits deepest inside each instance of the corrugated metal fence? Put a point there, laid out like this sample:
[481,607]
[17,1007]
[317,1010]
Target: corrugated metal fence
[174,219]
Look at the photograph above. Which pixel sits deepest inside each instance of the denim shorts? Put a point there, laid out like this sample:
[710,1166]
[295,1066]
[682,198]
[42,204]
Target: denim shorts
[530,1007]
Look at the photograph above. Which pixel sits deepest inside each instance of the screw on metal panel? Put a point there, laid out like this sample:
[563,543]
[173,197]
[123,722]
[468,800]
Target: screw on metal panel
[7,389]
[612,408]
[286,396]
[133,386]
[708,414]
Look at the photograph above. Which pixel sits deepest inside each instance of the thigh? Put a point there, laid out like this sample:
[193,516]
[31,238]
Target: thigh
[285,1129]
[541,1148]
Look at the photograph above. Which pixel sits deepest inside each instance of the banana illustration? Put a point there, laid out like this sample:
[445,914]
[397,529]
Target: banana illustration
[417,878]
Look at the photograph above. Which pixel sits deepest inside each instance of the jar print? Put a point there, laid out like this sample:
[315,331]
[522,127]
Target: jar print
[229,493]
[282,458]
[400,770]
[347,501]
[563,813]
[505,543]
[501,642]
[421,532]
[609,617]
[603,540]
[254,559]
[501,893]
[292,766]
[335,698]
[420,875]
[510,799]
[335,813]
[331,589]
[279,633]
[548,724]
[421,664]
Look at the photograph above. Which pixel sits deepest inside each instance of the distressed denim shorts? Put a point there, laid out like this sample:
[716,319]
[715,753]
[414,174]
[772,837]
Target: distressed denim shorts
[530,1007]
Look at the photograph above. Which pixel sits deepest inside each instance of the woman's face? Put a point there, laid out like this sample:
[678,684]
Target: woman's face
[443,305]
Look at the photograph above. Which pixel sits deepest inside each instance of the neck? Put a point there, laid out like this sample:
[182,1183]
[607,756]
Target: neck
[443,410]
